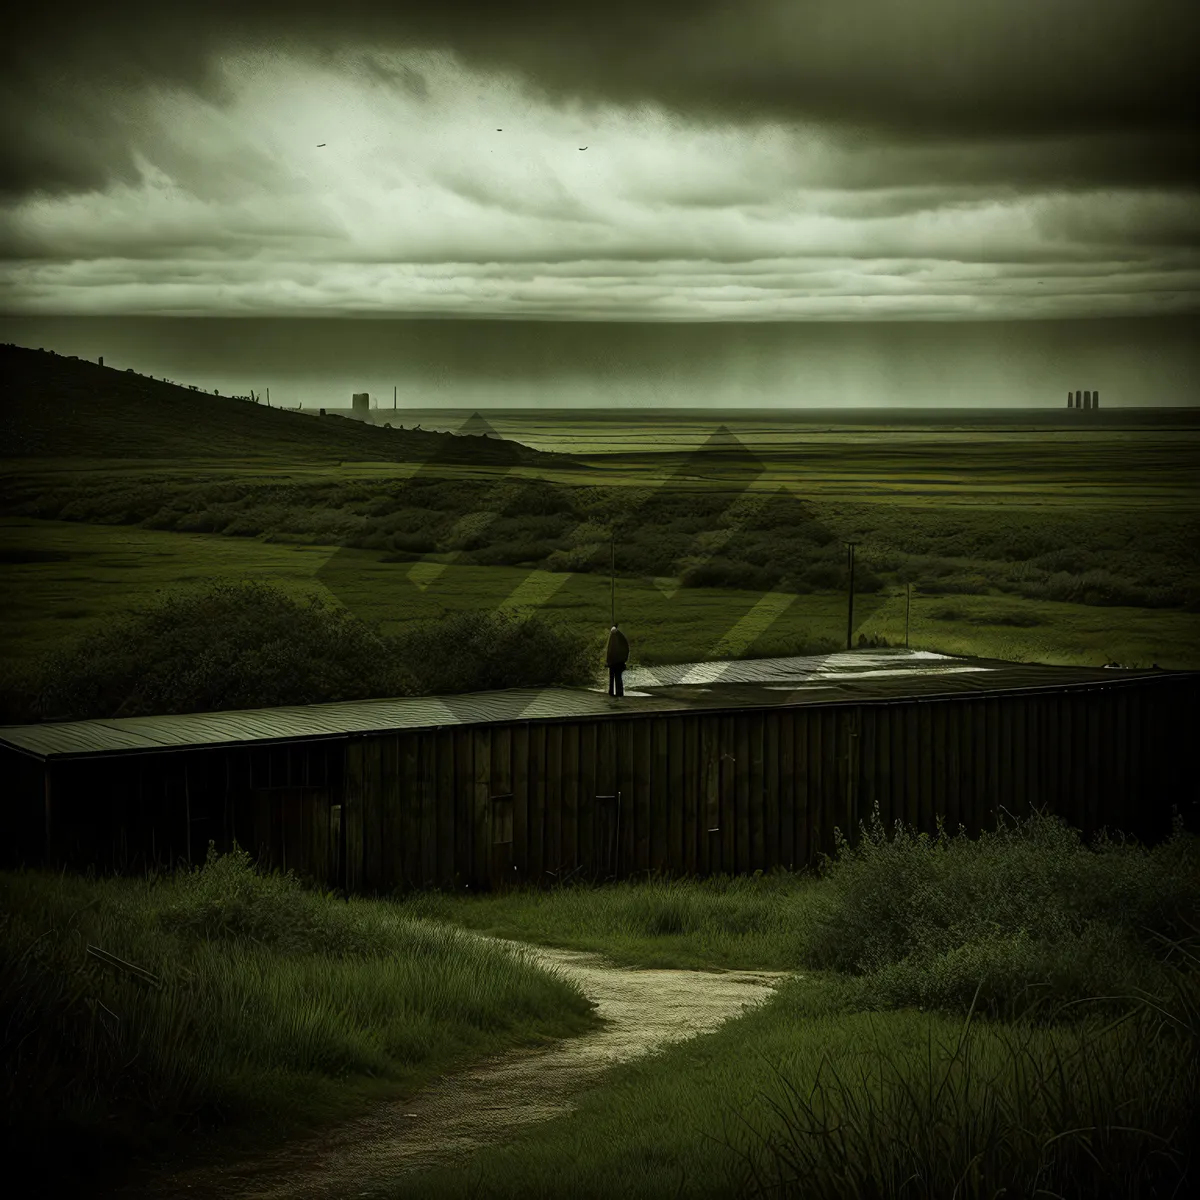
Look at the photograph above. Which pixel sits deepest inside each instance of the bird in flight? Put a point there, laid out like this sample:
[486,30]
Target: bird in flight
[583,147]
[320,144]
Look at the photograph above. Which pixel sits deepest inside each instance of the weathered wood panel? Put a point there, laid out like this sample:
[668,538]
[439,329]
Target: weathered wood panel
[710,756]
[756,790]
[428,798]
[408,803]
[446,794]
[676,790]
[583,854]
[691,798]
[667,820]
[520,787]
[501,808]
[537,803]
[464,805]
[644,858]
[562,792]
[352,807]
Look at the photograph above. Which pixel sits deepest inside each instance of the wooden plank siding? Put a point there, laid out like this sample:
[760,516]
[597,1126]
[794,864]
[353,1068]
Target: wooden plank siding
[699,792]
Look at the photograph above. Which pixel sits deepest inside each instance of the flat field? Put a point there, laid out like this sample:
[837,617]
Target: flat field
[1027,539]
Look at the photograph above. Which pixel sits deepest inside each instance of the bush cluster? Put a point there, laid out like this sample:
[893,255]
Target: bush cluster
[703,537]
[1027,913]
[248,644]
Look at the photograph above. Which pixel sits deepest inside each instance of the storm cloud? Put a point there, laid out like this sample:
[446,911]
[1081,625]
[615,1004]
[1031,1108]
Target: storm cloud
[715,159]
[1115,74]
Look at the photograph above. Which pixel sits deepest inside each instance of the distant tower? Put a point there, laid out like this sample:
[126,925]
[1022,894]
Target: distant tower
[362,406]
[1087,399]
[1070,400]
[1095,399]
[102,360]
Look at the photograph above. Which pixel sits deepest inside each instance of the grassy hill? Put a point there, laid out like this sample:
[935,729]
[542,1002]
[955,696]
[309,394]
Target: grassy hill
[52,406]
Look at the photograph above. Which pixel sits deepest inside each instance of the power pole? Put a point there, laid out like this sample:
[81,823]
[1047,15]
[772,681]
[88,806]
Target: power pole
[850,606]
[907,609]
[613,581]
[393,397]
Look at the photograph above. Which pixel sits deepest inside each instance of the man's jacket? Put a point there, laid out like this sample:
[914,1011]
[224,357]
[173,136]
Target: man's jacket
[618,648]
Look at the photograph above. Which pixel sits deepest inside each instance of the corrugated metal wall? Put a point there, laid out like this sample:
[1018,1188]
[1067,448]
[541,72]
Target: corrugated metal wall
[760,789]
[694,792]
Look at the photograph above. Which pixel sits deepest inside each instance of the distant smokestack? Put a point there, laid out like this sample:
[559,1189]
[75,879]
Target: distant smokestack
[1095,399]
[102,360]
[1087,399]
[361,402]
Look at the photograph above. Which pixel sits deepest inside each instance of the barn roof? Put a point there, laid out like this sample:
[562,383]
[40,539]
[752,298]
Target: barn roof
[860,676]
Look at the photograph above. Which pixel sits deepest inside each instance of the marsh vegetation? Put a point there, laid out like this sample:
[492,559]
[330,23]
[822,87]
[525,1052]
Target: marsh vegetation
[1018,1011]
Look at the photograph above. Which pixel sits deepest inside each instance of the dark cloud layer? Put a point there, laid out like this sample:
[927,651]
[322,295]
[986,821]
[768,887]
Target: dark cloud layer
[1112,75]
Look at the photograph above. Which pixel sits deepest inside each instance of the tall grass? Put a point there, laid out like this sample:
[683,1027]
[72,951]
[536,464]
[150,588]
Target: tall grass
[245,1001]
[1056,1053]
[722,921]
[1026,913]
[1104,1110]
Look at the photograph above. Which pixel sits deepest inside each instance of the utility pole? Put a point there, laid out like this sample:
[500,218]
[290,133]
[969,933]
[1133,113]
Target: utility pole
[613,581]
[907,609]
[850,607]
[393,397]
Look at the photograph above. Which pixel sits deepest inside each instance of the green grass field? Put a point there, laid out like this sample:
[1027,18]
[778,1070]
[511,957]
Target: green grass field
[1027,539]
[62,580]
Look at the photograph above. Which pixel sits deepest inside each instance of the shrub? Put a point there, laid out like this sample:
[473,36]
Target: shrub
[723,573]
[479,651]
[231,645]
[1023,912]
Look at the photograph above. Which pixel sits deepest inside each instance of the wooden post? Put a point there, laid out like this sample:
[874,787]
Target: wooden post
[850,606]
[613,581]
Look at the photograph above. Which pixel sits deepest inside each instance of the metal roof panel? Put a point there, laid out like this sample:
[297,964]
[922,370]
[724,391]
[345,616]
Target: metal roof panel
[850,677]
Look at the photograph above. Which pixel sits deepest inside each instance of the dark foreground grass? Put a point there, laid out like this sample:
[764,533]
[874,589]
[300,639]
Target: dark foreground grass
[1013,1015]
[250,1008]
[808,1097]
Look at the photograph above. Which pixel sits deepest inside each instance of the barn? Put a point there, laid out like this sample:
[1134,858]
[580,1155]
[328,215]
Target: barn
[701,768]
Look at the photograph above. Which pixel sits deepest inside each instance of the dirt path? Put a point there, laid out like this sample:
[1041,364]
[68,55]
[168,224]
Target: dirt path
[459,1114]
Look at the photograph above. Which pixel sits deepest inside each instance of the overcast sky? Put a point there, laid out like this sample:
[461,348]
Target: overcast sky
[749,160]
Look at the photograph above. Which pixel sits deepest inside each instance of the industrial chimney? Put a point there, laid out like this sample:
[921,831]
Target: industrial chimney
[102,360]
[362,406]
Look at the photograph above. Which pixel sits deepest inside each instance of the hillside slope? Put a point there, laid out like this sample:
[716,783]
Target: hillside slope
[52,406]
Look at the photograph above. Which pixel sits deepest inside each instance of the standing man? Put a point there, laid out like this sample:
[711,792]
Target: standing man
[618,656]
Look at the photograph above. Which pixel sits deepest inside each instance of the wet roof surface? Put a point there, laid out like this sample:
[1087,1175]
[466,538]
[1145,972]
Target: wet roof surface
[859,676]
